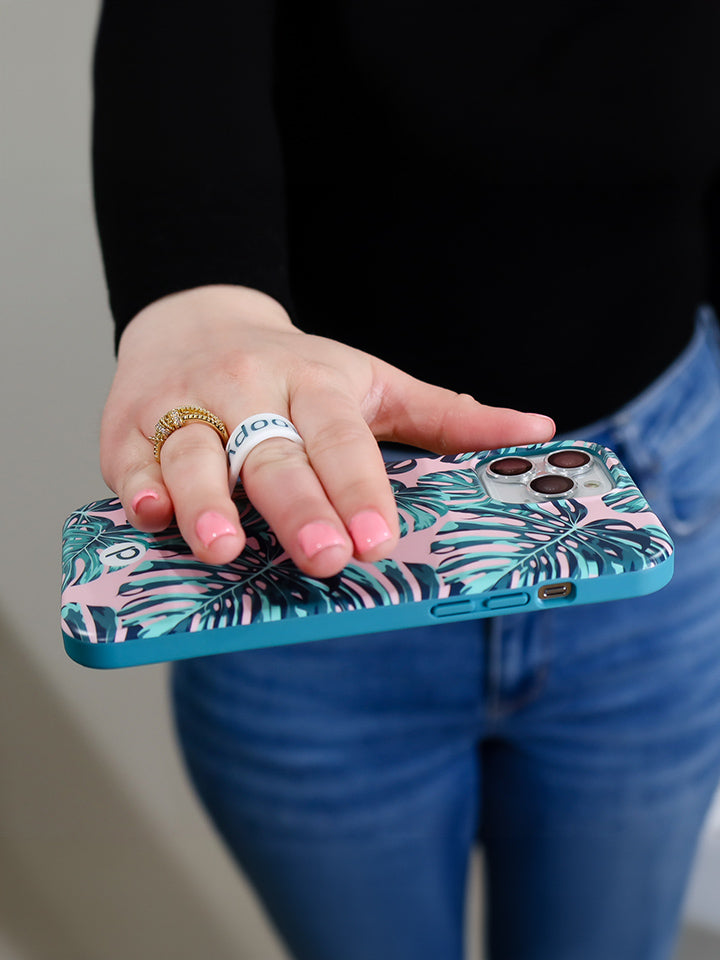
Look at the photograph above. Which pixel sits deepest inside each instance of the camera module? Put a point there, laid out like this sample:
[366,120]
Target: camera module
[551,484]
[569,459]
[510,466]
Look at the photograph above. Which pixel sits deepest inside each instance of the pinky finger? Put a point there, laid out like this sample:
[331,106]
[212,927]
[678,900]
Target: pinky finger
[135,475]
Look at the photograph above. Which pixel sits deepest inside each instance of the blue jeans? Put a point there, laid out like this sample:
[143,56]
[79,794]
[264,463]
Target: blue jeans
[579,747]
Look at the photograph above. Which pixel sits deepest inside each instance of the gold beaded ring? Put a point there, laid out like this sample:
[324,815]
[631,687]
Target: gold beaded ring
[180,417]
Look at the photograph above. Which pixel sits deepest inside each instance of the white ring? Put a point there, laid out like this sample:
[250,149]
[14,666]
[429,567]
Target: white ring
[252,431]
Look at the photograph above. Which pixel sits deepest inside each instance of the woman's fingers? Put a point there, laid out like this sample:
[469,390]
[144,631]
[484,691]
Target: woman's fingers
[332,500]
[194,469]
[130,469]
[189,482]
[345,455]
[407,410]
[321,516]
[284,488]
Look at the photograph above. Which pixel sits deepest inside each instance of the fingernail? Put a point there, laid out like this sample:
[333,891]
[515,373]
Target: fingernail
[211,526]
[368,529]
[143,495]
[545,425]
[318,536]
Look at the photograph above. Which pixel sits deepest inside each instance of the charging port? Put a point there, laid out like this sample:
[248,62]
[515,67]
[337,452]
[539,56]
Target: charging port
[555,591]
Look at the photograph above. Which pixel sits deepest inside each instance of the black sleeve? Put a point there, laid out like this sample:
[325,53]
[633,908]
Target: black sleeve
[712,225]
[187,168]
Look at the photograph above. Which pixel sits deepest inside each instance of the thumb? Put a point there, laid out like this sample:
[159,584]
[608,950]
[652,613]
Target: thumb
[433,418]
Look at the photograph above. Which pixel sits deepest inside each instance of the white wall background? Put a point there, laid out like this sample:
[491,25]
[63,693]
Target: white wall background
[104,852]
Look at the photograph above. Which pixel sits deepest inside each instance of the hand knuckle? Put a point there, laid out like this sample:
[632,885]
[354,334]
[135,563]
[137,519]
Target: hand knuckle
[242,369]
[322,377]
[338,434]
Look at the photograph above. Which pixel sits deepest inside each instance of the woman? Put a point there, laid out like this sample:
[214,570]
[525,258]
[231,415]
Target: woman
[360,218]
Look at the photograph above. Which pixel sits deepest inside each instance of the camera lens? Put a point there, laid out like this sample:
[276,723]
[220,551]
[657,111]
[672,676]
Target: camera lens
[568,459]
[510,466]
[552,484]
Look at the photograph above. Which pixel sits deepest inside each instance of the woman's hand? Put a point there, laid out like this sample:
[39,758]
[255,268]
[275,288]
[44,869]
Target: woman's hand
[235,352]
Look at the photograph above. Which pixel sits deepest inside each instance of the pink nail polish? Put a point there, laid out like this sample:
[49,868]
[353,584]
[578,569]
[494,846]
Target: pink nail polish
[368,529]
[143,495]
[211,526]
[318,536]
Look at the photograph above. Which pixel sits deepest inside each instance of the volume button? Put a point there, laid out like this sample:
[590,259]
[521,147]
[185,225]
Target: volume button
[453,608]
[507,601]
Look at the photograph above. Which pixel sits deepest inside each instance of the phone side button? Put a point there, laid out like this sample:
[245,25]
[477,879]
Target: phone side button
[507,601]
[453,608]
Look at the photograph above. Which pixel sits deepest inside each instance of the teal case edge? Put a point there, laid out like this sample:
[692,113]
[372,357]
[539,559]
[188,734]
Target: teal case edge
[181,646]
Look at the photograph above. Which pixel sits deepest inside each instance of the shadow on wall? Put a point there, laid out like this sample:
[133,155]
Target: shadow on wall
[82,877]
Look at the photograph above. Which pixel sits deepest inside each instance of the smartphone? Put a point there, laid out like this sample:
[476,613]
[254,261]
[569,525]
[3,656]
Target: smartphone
[482,534]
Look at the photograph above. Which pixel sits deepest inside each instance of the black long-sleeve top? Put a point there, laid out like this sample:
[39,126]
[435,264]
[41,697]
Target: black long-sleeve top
[511,200]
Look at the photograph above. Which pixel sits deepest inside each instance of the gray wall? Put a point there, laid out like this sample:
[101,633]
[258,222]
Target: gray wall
[104,852]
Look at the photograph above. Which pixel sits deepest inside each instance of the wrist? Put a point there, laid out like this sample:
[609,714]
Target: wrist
[198,306]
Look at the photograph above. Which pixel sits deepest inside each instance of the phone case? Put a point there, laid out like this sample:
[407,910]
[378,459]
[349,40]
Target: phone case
[131,598]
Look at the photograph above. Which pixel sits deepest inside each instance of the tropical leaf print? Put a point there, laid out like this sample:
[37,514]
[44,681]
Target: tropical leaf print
[415,511]
[87,534]
[74,620]
[458,489]
[488,547]
[433,496]
[626,497]
[180,593]
[465,543]
[530,544]
[101,621]
[383,583]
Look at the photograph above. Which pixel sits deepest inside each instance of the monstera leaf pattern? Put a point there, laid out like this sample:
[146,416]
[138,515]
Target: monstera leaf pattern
[455,540]
[626,497]
[102,621]
[550,542]
[179,593]
[86,534]
[433,496]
